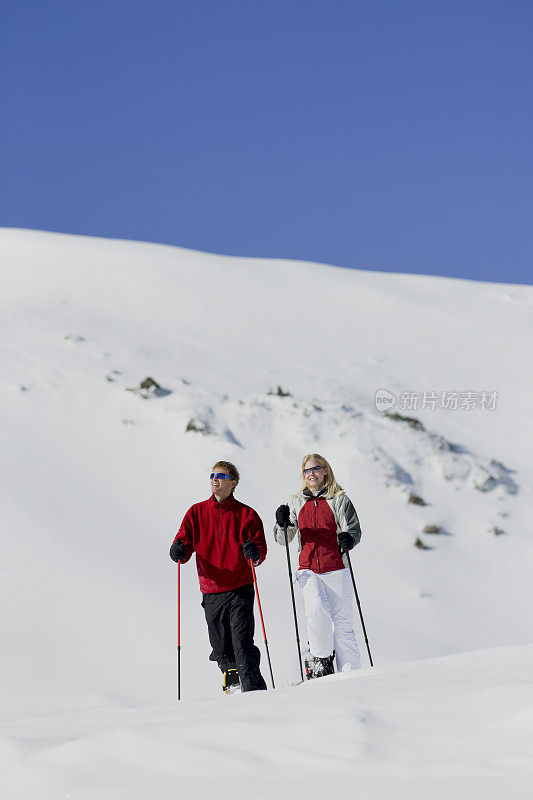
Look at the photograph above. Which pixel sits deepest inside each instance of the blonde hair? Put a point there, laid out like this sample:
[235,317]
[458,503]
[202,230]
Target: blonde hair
[332,486]
[229,468]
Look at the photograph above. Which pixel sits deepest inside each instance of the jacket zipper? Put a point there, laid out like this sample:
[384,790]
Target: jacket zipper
[316,528]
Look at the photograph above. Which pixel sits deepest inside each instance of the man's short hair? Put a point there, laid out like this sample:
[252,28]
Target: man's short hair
[229,468]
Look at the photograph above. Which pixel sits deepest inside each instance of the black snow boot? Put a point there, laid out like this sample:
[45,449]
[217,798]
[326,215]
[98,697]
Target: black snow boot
[323,666]
[230,681]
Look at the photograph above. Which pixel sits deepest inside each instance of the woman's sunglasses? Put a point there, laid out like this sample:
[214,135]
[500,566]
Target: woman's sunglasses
[312,469]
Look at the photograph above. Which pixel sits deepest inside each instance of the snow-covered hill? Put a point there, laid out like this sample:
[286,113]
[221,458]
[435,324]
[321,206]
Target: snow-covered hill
[457,727]
[98,472]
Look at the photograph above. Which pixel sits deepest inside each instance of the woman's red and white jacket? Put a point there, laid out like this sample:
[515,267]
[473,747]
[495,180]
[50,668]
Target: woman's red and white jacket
[317,520]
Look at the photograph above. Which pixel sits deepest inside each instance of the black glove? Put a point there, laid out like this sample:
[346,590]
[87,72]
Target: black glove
[345,542]
[178,551]
[283,515]
[251,550]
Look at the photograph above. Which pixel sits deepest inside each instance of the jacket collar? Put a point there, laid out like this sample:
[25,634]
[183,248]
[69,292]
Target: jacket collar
[229,502]
[308,494]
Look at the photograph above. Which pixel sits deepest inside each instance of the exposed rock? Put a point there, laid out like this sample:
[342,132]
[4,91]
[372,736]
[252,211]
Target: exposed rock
[416,500]
[149,383]
[149,388]
[279,392]
[420,544]
[413,422]
[434,529]
[198,426]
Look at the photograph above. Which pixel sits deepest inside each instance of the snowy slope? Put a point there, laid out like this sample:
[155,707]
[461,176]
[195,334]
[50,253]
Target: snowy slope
[457,727]
[96,478]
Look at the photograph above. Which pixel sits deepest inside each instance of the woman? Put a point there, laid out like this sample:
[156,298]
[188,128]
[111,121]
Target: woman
[323,517]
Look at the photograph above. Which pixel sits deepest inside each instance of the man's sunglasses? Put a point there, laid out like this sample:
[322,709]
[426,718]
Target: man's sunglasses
[312,469]
[220,476]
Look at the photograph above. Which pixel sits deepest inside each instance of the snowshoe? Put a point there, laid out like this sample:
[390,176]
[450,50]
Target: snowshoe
[230,681]
[315,667]
[309,663]
[323,666]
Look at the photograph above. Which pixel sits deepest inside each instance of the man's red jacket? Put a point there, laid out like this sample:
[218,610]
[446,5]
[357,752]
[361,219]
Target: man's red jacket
[215,532]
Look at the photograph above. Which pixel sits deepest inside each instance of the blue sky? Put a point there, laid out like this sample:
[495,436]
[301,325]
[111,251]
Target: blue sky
[384,134]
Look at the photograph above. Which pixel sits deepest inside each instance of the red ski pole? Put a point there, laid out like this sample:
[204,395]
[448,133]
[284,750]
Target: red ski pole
[262,621]
[179,634]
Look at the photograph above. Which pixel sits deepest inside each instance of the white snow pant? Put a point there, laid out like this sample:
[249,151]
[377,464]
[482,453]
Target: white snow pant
[329,616]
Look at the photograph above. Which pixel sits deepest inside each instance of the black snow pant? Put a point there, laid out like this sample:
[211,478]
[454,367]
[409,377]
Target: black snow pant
[230,623]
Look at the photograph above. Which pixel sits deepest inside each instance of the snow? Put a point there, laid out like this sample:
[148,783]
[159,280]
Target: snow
[459,726]
[95,480]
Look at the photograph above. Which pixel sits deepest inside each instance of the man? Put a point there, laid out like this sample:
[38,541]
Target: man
[225,534]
